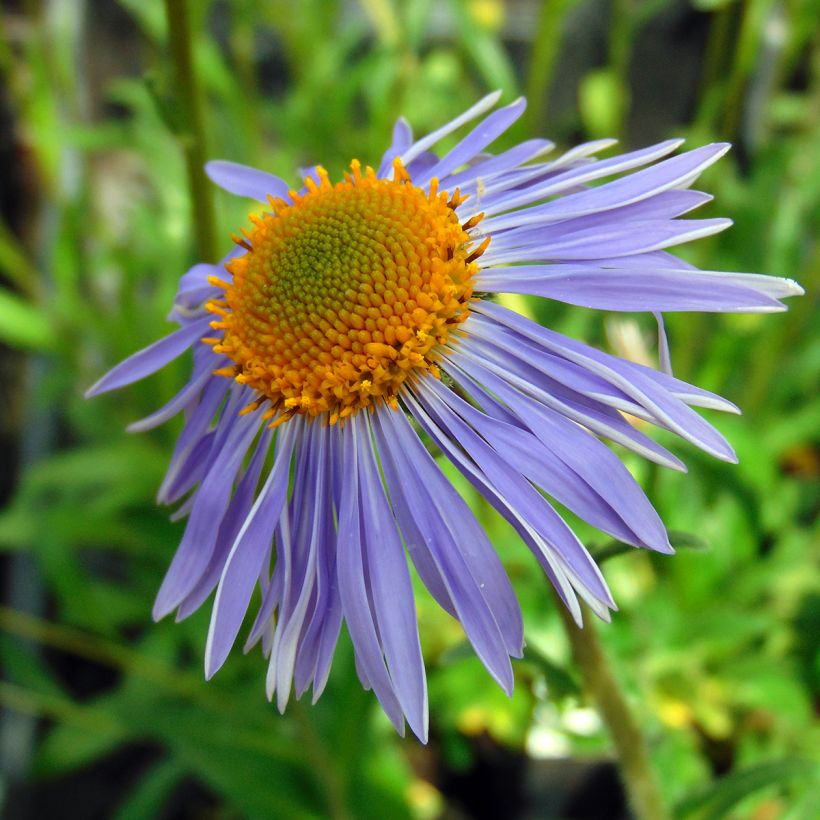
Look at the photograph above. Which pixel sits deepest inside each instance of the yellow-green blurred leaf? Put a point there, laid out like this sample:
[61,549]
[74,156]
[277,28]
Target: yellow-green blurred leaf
[22,324]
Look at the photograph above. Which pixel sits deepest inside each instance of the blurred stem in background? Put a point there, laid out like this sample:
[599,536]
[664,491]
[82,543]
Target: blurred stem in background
[325,764]
[192,127]
[753,19]
[545,46]
[619,47]
[630,746]
[602,684]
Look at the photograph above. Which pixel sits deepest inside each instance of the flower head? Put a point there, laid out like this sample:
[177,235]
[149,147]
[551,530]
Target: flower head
[350,311]
[344,291]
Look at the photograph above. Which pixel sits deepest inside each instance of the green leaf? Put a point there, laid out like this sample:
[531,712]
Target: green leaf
[716,799]
[484,49]
[22,324]
[602,101]
[147,799]
[561,683]
[679,540]
[712,5]
[688,541]
[104,481]
[68,746]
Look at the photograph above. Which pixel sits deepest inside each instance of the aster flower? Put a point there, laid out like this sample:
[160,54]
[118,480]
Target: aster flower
[353,316]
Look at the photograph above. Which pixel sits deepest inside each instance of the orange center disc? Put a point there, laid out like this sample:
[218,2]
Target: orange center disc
[344,292]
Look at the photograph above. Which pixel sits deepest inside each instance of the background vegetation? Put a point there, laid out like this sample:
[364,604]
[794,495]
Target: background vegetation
[107,715]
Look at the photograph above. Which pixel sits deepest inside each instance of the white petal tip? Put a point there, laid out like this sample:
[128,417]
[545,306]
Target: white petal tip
[143,425]
[282,698]
[100,386]
[664,548]
[792,288]
[721,148]
[733,409]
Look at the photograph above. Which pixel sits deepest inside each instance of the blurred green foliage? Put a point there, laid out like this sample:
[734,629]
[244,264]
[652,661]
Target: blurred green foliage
[717,647]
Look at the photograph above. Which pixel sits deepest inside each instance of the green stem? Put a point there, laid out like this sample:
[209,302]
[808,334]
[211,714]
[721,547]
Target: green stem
[747,48]
[630,746]
[718,46]
[545,48]
[190,100]
[324,765]
[620,43]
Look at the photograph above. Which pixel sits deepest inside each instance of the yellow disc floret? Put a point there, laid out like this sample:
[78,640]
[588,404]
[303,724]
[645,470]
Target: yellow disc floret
[343,292]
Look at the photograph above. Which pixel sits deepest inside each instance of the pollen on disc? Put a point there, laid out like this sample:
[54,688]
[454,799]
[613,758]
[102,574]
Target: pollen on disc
[343,292]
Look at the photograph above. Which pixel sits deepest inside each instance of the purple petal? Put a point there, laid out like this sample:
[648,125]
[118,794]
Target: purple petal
[463,557]
[150,359]
[235,515]
[414,528]
[664,357]
[569,173]
[197,276]
[351,574]
[271,591]
[524,227]
[245,560]
[590,413]
[484,104]
[555,558]
[402,140]
[319,638]
[212,497]
[432,424]
[328,638]
[310,172]
[191,439]
[677,172]
[477,140]
[194,287]
[244,181]
[297,553]
[333,616]
[689,393]
[534,460]
[665,409]
[177,404]
[391,589]
[520,494]
[624,289]
[588,459]
[613,239]
[507,160]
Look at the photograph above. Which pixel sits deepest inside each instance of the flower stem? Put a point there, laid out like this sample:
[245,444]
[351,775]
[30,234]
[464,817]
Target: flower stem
[192,131]
[630,746]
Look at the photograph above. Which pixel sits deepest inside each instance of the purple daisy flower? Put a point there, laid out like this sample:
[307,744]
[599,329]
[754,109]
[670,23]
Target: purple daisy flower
[373,294]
